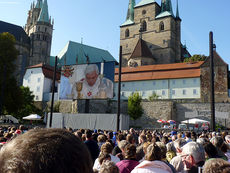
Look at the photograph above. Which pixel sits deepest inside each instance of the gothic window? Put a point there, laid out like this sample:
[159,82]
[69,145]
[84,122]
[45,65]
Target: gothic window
[39,28]
[127,33]
[162,27]
[45,29]
[144,26]
[38,36]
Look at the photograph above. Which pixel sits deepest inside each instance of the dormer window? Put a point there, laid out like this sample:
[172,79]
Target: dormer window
[127,33]
[162,27]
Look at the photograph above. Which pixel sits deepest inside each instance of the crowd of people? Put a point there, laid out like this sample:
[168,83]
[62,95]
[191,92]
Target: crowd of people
[43,150]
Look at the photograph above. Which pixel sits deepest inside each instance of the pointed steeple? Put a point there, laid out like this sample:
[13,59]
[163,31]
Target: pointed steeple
[166,5]
[177,11]
[130,13]
[39,4]
[166,9]
[141,50]
[44,15]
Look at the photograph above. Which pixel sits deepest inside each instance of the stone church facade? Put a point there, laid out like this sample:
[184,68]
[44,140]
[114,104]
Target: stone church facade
[39,28]
[151,34]
[33,42]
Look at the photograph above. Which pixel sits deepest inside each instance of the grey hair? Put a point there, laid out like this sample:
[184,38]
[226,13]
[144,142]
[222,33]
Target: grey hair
[91,68]
[194,149]
[179,143]
[122,144]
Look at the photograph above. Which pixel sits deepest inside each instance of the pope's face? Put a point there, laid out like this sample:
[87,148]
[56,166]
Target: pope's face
[91,78]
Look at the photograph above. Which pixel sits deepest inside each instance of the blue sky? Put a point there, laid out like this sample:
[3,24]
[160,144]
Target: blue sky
[98,21]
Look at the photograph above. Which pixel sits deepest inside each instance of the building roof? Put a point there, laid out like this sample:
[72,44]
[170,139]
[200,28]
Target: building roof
[17,31]
[130,13]
[44,14]
[77,53]
[47,70]
[166,9]
[161,71]
[141,50]
[145,2]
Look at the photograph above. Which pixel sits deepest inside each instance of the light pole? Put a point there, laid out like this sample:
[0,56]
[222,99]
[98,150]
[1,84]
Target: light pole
[119,89]
[212,89]
[53,88]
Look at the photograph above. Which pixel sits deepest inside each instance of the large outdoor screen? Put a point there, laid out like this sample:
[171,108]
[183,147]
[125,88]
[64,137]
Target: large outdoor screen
[84,82]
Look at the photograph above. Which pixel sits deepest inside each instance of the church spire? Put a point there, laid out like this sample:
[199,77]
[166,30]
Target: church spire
[130,13]
[44,15]
[177,11]
[166,5]
[39,4]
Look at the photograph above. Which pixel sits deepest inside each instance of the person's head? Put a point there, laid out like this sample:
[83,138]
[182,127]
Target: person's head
[107,148]
[78,134]
[108,167]
[163,149]
[153,153]
[130,139]
[193,154]
[188,134]
[218,141]
[122,145]
[88,134]
[216,166]
[45,150]
[145,146]
[103,156]
[101,138]
[178,144]
[142,139]
[91,74]
[130,151]
[210,150]
[227,139]
[120,137]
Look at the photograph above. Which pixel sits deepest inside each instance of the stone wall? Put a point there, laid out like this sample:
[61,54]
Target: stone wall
[161,109]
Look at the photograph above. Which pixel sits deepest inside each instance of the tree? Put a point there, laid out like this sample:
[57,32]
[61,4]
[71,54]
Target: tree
[153,97]
[9,91]
[27,106]
[195,58]
[135,110]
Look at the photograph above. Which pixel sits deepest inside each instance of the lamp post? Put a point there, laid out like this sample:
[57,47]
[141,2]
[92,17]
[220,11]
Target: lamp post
[53,88]
[119,89]
[212,91]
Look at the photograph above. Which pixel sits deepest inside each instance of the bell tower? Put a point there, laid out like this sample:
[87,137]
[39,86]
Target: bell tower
[40,29]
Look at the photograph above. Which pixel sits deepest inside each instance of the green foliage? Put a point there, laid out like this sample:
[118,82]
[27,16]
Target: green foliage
[57,106]
[9,91]
[135,110]
[195,58]
[153,97]
[27,106]
[17,101]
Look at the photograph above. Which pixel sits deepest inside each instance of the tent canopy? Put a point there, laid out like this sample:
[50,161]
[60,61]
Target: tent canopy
[32,117]
[9,117]
[194,121]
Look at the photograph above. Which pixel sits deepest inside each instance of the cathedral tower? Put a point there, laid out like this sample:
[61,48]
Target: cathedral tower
[40,29]
[154,27]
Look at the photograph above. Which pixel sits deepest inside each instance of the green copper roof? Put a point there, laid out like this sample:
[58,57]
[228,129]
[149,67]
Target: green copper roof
[166,9]
[76,52]
[164,14]
[144,2]
[128,22]
[130,13]
[39,4]
[44,15]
